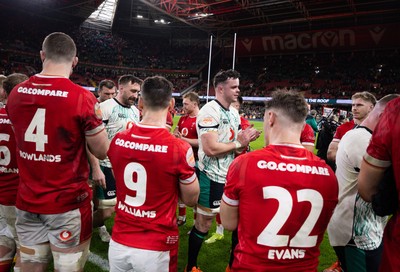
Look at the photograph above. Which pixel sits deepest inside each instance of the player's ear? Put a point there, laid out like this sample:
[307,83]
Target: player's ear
[42,55]
[171,104]
[140,103]
[75,62]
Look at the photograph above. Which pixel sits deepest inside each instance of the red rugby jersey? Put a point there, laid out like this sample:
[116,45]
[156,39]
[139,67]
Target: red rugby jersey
[286,197]
[51,116]
[149,162]
[9,177]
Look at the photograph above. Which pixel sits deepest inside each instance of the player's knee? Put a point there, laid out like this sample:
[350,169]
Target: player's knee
[35,254]
[70,262]
[7,248]
[107,203]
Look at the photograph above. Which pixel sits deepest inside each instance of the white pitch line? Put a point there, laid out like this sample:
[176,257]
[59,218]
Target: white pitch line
[99,261]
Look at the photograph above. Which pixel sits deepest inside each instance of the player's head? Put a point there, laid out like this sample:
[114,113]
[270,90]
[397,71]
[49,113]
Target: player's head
[226,85]
[375,115]
[156,93]
[128,89]
[190,102]
[12,81]
[238,103]
[362,104]
[285,111]
[58,47]
[107,90]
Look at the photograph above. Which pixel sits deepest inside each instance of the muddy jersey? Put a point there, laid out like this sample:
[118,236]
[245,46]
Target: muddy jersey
[383,151]
[187,128]
[9,177]
[51,117]
[285,197]
[116,118]
[214,118]
[151,164]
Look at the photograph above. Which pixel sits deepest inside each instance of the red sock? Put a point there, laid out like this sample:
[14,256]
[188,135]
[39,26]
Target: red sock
[218,219]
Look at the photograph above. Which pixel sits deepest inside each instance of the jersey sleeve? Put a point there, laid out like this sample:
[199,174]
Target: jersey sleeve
[207,121]
[91,114]
[307,135]
[232,186]
[187,172]
[379,149]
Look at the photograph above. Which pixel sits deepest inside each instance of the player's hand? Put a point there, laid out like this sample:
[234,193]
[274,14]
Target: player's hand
[98,177]
[177,134]
[248,135]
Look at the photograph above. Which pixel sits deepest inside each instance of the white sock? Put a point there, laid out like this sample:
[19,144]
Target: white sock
[103,228]
[220,229]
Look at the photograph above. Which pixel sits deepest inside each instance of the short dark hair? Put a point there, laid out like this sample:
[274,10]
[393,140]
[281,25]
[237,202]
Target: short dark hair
[223,76]
[192,96]
[156,92]
[59,47]
[290,103]
[13,80]
[367,96]
[109,84]
[125,79]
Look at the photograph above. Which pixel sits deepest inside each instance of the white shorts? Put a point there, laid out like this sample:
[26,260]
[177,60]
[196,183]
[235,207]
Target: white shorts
[7,222]
[64,230]
[128,259]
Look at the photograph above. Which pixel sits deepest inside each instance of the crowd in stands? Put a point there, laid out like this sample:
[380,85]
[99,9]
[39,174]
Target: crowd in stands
[106,55]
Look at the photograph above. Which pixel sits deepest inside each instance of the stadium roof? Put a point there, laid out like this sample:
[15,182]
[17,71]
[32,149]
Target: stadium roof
[219,17]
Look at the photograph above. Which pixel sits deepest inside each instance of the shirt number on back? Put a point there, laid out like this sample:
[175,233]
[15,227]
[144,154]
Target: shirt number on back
[5,156]
[35,131]
[270,237]
[138,170]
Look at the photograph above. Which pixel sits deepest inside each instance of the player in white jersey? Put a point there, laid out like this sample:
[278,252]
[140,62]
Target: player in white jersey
[220,137]
[118,114]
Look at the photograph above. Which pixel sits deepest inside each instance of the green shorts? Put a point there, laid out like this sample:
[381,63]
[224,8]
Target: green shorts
[210,191]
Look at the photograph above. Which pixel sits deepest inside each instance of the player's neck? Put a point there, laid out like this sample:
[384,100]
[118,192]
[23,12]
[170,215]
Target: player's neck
[54,69]
[285,137]
[154,118]
[194,113]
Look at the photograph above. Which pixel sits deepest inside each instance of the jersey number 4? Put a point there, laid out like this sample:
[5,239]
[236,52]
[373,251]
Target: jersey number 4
[270,237]
[35,131]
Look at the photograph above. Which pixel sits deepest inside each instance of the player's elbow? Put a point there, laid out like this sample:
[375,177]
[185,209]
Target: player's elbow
[190,194]
[229,217]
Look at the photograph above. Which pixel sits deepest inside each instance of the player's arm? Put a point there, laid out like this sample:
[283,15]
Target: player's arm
[192,142]
[309,147]
[189,193]
[368,180]
[213,148]
[332,150]
[98,144]
[97,174]
[229,216]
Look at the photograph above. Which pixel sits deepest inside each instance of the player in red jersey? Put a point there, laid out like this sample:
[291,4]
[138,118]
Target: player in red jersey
[186,130]
[154,168]
[307,138]
[53,120]
[9,179]
[362,104]
[383,152]
[288,192]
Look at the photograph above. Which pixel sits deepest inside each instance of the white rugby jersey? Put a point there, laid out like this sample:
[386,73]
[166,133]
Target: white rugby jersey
[213,117]
[116,118]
